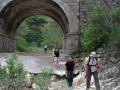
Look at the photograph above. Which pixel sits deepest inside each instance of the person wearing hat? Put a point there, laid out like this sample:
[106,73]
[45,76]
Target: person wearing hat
[91,66]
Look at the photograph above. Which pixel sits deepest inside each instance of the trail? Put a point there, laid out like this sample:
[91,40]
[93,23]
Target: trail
[36,63]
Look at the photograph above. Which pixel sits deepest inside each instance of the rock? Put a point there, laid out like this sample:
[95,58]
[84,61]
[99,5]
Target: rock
[59,85]
[103,82]
[3,64]
[54,78]
[110,73]
[26,88]
[28,80]
[78,80]
[110,84]
[35,86]
[117,88]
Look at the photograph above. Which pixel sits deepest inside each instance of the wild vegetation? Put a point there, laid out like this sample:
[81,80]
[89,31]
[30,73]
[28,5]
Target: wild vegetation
[37,31]
[102,29]
[43,79]
[12,76]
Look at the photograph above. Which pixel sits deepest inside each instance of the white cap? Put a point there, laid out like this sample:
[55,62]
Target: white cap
[93,54]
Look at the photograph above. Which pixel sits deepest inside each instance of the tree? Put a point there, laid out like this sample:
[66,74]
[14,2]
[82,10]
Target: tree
[96,33]
[35,22]
[35,34]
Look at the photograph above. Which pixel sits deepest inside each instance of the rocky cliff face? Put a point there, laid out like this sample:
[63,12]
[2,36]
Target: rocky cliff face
[110,72]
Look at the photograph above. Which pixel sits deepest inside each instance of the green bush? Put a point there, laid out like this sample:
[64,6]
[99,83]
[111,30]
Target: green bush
[103,28]
[21,44]
[115,34]
[43,79]
[34,35]
[96,33]
[91,39]
[12,76]
[116,15]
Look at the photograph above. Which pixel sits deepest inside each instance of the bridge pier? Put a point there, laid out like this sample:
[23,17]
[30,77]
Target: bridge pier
[7,43]
[71,43]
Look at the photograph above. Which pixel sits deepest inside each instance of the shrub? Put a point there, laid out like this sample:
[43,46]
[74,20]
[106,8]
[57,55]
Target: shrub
[12,76]
[21,44]
[43,79]
[96,33]
[115,33]
[116,15]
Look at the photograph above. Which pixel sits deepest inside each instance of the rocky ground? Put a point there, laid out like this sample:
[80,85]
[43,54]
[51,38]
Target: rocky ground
[109,76]
[35,63]
[110,71]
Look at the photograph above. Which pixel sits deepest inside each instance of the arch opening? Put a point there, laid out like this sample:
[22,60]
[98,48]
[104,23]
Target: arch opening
[15,11]
[37,31]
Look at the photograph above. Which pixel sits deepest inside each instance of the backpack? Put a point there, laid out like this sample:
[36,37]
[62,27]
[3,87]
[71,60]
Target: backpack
[92,68]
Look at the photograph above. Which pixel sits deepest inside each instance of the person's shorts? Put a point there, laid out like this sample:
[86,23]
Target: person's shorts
[56,58]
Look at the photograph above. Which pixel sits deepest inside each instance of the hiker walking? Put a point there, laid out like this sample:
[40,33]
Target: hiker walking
[45,49]
[69,70]
[56,56]
[91,66]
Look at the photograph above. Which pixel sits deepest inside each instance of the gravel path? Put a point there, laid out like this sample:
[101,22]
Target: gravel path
[36,63]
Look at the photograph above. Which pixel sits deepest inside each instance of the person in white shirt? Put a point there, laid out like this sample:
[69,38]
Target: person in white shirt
[53,51]
[45,49]
[91,66]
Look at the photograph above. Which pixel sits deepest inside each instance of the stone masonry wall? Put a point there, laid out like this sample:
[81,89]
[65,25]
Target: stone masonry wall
[87,5]
[81,7]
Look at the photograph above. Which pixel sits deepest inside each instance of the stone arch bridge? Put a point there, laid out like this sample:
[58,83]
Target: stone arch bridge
[13,12]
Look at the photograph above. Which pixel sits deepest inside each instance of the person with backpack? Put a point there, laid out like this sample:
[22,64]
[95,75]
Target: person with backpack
[91,66]
[69,70]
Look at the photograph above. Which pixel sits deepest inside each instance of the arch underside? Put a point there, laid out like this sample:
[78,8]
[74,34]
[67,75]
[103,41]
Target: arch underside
[18,10]
[15,11]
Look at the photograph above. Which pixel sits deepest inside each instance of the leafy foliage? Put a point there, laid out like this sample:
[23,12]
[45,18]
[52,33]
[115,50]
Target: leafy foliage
[21,43]
[52,34]
[116,14]
[115,34]
[97,31]
[43,79]
[35,22]
[34,36]
[103,28]
[38,31]
[12,76]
